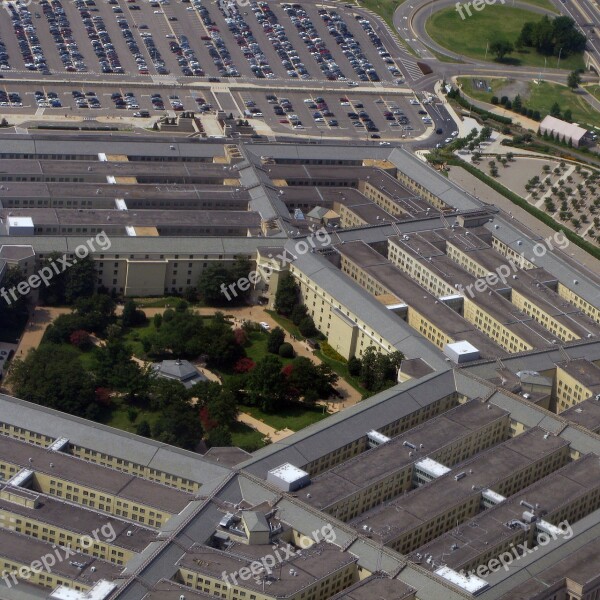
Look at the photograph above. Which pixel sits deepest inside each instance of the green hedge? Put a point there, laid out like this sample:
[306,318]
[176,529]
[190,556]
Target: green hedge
[536,212]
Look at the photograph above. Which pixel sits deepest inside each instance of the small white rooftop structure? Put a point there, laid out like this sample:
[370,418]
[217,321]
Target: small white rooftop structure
[19,226]
[288,478]
[376,438]
[461,351]
[99,591]
[492,496]
[433,468]
[547,527]
[470,583]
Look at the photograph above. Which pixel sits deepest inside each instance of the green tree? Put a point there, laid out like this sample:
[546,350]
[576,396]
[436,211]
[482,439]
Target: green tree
[218,437]
[286,297]
[555,110]
[266,384]
[501,48]
[275,339]
[354,366]
[143,428]
[379,371]
[215,281]
[132,315]
[573,79]
[52,376]
[307,327]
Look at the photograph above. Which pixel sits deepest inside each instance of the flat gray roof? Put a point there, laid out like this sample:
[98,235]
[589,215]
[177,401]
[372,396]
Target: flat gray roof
[490,468]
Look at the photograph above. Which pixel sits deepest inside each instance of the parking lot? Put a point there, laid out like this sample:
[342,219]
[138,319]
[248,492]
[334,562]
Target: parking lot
[194,38]
[336,114]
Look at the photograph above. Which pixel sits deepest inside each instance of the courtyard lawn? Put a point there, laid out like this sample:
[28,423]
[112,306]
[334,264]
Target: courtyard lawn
[285,324]
[133,338]
[246,438]
[470,37]
[117,416]
[341,368]
[294,416]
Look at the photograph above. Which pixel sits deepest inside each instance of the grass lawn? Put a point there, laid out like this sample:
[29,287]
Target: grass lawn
[246,438]
[542,96]
[341,368]
[133,338]
[117,417]
[470,36]
[162,302]
[294,417]
[285,324]
[470,90]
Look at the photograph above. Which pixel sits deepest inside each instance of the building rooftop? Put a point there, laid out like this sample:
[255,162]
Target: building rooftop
[489,469]
[93,475]
[584,371]
[585,413]
[366,469]
[78,519]
[417,298]
[458,547]
[377,588]
[289,576]
[25,549]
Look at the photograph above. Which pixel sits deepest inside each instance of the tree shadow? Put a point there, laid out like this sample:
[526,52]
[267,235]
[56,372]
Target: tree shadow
[509,60]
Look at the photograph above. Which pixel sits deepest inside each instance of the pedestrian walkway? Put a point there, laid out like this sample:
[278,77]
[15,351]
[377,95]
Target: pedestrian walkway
[273,434]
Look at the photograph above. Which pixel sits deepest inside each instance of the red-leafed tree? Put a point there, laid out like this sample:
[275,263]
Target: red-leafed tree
[103,396]
[244,365]
[207,422]
[240,337]
[80,339]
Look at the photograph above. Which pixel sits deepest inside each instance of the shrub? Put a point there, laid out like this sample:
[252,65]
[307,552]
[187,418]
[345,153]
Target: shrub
[286,350]
[494,100]
[354,365]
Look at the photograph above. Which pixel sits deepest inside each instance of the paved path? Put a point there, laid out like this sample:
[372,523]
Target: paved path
[36,327]
[263,428]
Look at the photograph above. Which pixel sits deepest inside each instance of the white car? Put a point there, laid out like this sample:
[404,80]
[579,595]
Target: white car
[384,143]
[308,100]
[414,102]
[265,326]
